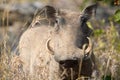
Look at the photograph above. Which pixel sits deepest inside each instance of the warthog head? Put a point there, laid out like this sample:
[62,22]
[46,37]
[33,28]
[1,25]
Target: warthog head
[68,34]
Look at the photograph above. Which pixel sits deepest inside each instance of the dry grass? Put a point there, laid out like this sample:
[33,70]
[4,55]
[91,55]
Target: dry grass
[106,49]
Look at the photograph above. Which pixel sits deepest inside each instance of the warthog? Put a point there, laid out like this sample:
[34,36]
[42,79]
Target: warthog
[55,50]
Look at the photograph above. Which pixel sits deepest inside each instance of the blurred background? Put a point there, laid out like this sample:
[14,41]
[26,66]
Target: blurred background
[17,15]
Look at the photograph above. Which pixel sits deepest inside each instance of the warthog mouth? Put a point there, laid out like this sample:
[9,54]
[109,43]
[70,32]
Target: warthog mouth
[73,69]
[69,71]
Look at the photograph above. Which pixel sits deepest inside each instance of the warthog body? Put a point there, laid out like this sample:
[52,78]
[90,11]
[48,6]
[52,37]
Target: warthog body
[50,50]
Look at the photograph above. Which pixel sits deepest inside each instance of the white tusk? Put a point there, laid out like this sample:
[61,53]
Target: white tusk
[90,46]
[49,48]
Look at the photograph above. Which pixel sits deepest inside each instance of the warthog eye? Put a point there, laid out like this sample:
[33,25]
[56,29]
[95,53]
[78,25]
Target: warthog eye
[60,20]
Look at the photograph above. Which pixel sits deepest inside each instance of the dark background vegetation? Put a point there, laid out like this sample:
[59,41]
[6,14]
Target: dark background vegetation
[16,17]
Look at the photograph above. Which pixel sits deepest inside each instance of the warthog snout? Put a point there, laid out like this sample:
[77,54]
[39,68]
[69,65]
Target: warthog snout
[69,63]
[68,60]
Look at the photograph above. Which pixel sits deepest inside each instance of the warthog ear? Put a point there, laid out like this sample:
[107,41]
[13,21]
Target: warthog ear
[47,12]
[45,16]
[88,12]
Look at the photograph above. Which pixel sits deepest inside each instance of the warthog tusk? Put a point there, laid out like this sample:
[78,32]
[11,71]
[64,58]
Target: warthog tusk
[49,48]
[90,46]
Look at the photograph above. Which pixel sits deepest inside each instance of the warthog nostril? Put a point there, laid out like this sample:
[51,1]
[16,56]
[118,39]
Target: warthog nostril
[69,63]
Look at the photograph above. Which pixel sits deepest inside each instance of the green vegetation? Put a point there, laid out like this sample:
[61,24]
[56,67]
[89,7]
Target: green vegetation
[116,16]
